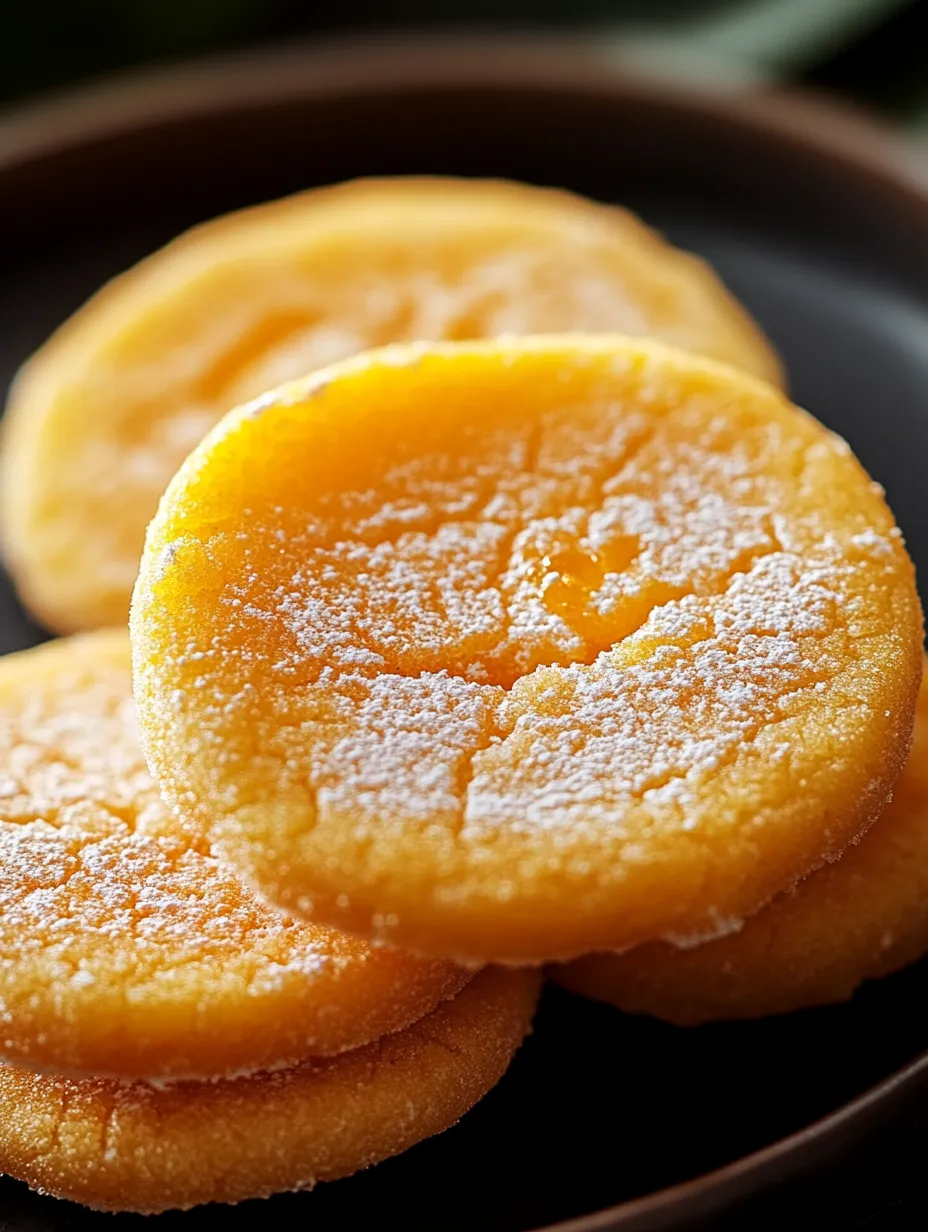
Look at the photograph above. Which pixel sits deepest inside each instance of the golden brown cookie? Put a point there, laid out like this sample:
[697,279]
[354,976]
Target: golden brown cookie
[102,416]
[515,650]
[863,917]
[136,1148]
[125,948]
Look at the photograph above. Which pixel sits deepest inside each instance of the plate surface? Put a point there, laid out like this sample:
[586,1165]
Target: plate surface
[822,228]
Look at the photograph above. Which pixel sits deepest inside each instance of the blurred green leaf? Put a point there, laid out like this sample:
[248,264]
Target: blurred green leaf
[754,39]
[48,42]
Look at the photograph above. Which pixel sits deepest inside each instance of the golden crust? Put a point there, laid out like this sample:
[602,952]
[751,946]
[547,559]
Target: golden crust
[104,413]
[125,948]
[863,917]
[136,1148]
[511,651]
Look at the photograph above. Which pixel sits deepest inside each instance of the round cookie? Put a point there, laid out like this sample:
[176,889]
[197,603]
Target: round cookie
[136,1148]
[101,417]
[125,949]
[858,919]
[512,651]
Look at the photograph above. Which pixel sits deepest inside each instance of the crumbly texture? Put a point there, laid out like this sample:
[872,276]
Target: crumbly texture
[511,651]
[136,1148]
[863,917]
[102,416]
[125,947]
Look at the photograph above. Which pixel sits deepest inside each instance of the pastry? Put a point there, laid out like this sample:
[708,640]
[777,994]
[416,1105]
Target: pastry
[510,651]
[126,949]
[105,412]
[119,1147]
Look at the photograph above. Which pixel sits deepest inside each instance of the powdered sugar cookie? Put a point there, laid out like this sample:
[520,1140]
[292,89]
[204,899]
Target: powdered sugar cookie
[125,949]
[510,651]
[107,410]
[135,1148]
[863,917]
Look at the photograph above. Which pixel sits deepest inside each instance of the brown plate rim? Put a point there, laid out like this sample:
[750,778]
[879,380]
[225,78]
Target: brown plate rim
[832,131]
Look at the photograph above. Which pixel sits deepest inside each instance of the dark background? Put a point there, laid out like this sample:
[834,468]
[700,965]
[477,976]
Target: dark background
[873,50]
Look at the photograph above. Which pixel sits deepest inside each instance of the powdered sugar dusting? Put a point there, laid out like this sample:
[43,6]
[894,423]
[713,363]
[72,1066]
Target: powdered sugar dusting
[582,612]
[89,852]
[236,309]
[575,625]
[108,903]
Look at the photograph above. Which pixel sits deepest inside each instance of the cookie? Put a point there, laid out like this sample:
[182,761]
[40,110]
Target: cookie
[101,417]
[863,917]
[138,1148]
[125,948]
[511,651]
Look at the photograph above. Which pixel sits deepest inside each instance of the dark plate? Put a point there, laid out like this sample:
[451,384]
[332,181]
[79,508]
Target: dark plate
[822,227]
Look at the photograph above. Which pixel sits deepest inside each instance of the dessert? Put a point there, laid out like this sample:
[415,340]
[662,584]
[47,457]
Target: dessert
[126,949]
[860,918]
[510,651]
[115,1147]
[105,412]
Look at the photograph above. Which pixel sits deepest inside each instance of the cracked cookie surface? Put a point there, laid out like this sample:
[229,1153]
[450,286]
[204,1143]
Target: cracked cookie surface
[137,1148]
[125,947]
[509,651]
[861,918]
[101,417]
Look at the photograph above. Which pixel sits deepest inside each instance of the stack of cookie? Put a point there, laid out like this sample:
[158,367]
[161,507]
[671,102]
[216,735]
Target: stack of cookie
[169,1039]
[573,649]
